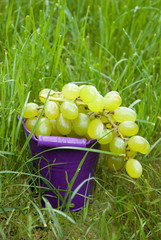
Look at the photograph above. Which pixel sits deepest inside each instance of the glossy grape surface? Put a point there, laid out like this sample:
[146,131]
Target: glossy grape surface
[44,93]
[106,136]
[88,93]
[128,128]
[51,110]
[64,126]
[115,163]
[122,114]
[30,123]
[44,127]
[97,104]
[71,91]
[133,168]
[80,124]
[117,145]
[69,110]
[31,110]
[112,100]
[95,129]
[139,144]
[54,130]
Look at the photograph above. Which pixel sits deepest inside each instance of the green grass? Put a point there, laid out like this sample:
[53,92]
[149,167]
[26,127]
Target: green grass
[114,45]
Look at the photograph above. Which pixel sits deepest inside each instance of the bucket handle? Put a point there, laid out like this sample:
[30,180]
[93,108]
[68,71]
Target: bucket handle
[56,141]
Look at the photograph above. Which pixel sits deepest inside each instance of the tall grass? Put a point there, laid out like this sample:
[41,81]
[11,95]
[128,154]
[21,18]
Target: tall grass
[114,45]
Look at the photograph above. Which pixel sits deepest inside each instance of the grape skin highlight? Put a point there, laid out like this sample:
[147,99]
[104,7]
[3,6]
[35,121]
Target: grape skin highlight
[71,91]
[69,110]
[139,144]
[64,126]
[80,124]
[54,130]
[88,93]
[95,129]
[51,110]
[106,136]
[112,100]
[43,128]
[128,128]
[117,145]
[122,114]
[44,93]
[97,105]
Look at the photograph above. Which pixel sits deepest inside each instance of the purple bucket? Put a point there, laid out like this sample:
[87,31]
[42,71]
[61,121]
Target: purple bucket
[68,171]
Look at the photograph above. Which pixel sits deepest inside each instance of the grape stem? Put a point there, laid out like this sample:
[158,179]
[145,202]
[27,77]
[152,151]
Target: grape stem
[113,124]
[61,100]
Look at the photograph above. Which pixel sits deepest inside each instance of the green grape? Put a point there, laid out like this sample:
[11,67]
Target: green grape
[139,144]
[106,122]
[130,153]
[51,110]
[97,104]
[117,145]
[122,114]
[113,93]
[54,130]
[71,91]
[115,163]
[81,86]
[112,100]
[87,136]
[44,127]
[114,132]
[40,110]
[80,124]
[109,121]
[64,126]
[111,117]
[106,136]
[133,168]
[30,123]
[147,149]
[104,119]
[69,110]
[83,109]
[73,134]
[88,93]
[109,125]
[44,93]
[128,128]
[95,128]
[31,110]
[105,147]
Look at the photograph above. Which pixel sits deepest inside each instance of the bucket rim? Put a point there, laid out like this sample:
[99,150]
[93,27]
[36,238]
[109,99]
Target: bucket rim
[41,138]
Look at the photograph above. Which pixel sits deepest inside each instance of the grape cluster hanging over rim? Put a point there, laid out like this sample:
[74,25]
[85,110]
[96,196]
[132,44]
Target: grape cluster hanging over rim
[82,112]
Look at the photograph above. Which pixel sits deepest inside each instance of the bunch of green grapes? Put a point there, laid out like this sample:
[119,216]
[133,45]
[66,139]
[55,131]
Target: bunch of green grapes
[82,112]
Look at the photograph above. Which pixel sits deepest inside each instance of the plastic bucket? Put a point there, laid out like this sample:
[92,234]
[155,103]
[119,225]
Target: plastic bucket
[59,167]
